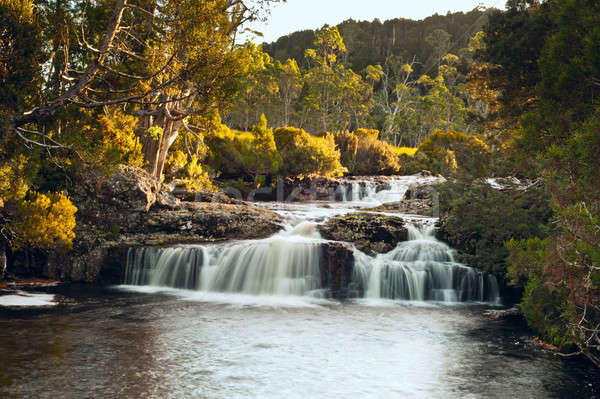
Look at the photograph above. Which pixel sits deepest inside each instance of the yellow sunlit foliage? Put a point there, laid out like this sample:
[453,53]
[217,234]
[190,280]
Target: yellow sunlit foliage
[120,143]
[13,184]
[450,150]
[305,155]
[190,170]
[372,134]
[364,154]
[46,221]
[410,151]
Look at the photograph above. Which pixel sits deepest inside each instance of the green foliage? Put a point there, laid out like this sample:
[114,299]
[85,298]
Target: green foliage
[542,61]
[544,310]
[46,222]
[263,159]
[306,155]
[369,43]
[478,220]
[20,55]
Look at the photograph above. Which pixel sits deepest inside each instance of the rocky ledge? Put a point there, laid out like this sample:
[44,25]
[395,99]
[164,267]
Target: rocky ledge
[370,232]
[420,199]
[130,208]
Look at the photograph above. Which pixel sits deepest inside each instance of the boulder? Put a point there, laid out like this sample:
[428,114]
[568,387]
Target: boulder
[369,232]
[119,199]
[188,195]
[337,265]
[208,221]
[423,190]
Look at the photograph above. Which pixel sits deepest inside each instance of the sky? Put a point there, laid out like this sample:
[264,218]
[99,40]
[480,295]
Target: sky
[297,15]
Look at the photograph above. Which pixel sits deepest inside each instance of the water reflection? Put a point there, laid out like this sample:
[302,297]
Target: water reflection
[132,345]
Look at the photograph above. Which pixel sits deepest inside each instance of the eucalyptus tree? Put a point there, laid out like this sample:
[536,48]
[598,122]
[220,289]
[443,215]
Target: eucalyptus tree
[160,60]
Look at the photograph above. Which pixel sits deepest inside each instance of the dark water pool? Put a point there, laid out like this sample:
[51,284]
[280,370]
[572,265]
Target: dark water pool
[109,343]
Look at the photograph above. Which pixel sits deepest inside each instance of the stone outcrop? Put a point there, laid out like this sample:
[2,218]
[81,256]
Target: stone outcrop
[337,265]
[128,208]
[369,232]
[421,207]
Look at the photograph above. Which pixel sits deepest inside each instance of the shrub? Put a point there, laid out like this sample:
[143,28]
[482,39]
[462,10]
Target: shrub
[478,219]
[409,151]
[190,170]
[262,158]
[363,154]
[249,154]
[228,150]
[448,151]
[305,155]
[45,221]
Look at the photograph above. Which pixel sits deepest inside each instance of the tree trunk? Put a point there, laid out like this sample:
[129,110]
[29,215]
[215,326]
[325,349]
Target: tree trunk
[155,150]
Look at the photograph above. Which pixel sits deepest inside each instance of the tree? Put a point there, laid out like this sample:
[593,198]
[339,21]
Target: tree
[290,86]
[323,75]
[264,151]
[165,61]
[397,99]
[258,88]
[439,41]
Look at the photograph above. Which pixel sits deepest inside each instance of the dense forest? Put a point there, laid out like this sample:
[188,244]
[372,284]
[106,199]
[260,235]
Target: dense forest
[166,87]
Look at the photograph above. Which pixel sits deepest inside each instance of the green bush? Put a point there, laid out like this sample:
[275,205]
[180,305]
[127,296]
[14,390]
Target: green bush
[477,220]
[305,155]
[450,151]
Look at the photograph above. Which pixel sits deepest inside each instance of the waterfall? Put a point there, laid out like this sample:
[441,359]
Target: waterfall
[422,269]
[366,190]
[286,264]
[292,262]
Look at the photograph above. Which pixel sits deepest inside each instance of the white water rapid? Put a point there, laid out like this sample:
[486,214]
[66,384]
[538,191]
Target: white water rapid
[291,263]
[422,269]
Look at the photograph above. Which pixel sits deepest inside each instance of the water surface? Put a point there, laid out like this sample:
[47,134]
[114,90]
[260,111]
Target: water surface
[109,343]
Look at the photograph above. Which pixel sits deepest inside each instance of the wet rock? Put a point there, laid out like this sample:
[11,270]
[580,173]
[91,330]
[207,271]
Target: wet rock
[423,190]
[503,314]
[422,207]
[208,221]
[369,232]
[337,264]
[102,264]
[420,199]
[189,195]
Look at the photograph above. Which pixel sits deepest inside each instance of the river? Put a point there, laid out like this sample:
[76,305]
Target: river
[252,320]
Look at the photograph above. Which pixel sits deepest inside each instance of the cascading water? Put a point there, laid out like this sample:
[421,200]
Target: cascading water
[291,263]
[286,264]
[422,269]
[367,190]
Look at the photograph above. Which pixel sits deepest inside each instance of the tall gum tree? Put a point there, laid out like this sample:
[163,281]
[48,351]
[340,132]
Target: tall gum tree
[163,61]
